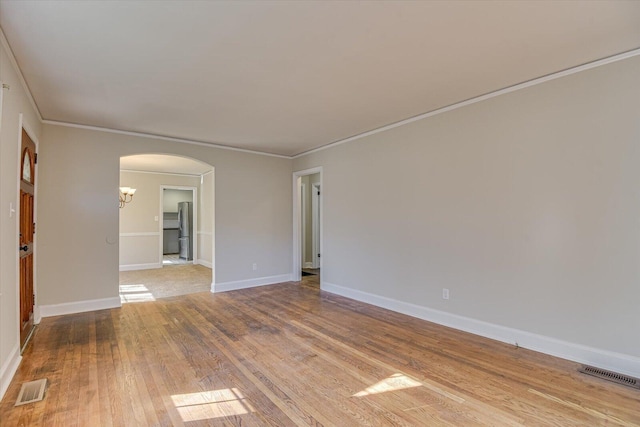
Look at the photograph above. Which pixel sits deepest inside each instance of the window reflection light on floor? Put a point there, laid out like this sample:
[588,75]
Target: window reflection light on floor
[135,293]
[211,404]
[394,382]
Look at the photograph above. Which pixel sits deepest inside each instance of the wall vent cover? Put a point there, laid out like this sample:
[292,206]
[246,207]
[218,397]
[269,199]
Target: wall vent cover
[32,391]
[611,376]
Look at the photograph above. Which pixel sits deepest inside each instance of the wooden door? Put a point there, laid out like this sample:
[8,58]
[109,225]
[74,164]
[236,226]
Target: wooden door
[27,230]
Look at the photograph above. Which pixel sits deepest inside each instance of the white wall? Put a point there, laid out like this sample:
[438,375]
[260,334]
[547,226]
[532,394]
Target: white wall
[252,211]
[205,228]
[139,230]
[525,206]
[14,102]
[172,197]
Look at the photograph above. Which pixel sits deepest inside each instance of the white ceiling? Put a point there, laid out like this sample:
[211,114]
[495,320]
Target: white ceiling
[285,77]
[164,164]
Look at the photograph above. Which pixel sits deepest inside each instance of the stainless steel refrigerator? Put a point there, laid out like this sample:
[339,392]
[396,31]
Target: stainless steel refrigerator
[185,230]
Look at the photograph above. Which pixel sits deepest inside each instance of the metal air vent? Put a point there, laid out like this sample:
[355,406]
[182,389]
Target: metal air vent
[611,376]
[32,391]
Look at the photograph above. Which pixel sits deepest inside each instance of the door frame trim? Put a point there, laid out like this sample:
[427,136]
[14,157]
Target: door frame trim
[296,271]
[316,212]
[23,123]
[194,226]
[303,222]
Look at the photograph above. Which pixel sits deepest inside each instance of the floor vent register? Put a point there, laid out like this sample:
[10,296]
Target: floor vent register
[32,391]
[611,376]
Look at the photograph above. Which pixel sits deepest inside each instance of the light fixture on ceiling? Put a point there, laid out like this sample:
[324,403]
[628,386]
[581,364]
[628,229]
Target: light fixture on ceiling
[126,195]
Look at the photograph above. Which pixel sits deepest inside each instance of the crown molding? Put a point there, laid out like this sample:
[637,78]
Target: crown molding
[189,175]
[480,98]
[162,137]
[16,68]
[34,105]
[461,104]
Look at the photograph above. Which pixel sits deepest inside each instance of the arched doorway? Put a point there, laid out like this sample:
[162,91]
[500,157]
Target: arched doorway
[173,200]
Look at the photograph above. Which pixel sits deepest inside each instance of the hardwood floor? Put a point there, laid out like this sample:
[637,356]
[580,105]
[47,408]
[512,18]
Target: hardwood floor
[168,281]
[290,354]
[313,279]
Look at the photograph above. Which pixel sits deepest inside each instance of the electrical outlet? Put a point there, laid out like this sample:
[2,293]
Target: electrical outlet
[445,293]
[255,266]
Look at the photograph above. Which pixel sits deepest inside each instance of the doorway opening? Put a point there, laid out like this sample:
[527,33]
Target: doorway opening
[179,214]
[167,229]
[307,226]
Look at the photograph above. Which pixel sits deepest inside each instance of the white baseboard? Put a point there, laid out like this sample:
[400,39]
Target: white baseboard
[79,306]
[37,317]
[205,263]
[308,265]
[617,362]
[149,266]
[8,370]
[249,283]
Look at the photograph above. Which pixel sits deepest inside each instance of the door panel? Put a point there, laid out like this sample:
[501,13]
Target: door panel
[27,230]
[26,291]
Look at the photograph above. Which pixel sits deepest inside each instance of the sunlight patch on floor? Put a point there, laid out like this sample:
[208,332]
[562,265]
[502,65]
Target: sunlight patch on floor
[174,260]
[135,293]
[394,382]
[211,404]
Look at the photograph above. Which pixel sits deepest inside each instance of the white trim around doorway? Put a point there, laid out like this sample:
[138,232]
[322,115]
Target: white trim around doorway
[316,215]
[296,273]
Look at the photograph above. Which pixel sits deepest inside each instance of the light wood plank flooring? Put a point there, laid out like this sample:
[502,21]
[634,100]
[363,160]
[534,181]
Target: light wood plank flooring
[289,354]
[168,281]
